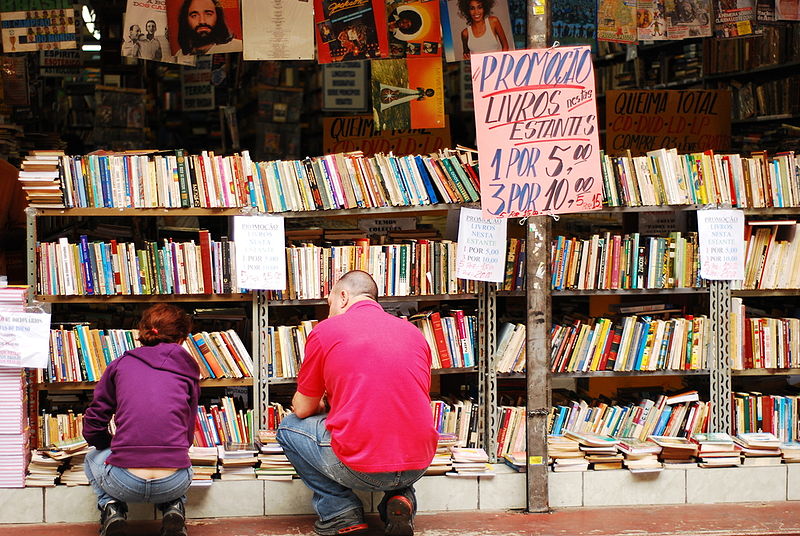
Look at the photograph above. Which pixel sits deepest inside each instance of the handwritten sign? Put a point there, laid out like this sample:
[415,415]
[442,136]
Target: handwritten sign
[360,133]
[536,124]
[481,252]
[24,339]
[260,252]
[377,226]
[689,120]
[722,244]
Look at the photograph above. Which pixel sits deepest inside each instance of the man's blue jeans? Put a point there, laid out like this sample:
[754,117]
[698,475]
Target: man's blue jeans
[307,444]
[112,483]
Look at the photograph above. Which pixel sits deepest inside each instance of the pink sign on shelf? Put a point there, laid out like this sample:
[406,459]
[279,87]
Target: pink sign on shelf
[536,124]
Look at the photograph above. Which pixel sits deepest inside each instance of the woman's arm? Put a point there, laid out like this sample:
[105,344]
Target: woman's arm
[499,32]
[464,39]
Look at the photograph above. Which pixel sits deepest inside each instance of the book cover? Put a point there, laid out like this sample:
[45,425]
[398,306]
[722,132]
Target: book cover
[350,30]
[408,93]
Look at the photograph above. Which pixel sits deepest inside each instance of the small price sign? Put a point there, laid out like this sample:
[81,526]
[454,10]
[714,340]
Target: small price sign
[536,123]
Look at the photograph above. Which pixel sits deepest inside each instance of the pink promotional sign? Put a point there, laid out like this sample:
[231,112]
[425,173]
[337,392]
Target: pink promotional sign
[536,124]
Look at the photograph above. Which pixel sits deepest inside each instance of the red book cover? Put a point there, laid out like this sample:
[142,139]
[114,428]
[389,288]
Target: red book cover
[766,414]
[501,435]
[614,333]
[199,438]
[748,344]
[205,258]
[219,424]
[464,338]
[209,356]
[116,267]
[439,339]
[350,30]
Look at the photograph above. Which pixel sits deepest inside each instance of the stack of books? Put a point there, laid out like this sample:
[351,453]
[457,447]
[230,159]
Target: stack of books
[759,448]
[443,460]
[75,473]
[274,465]
[43,471]
[13,297]
[640,456]
[516,460]
[716,450]
[204,464]
[566,454]
[600,450]
[790,451]
[14,450]
[470,462]
[40,179]
[676,452]
[237,461]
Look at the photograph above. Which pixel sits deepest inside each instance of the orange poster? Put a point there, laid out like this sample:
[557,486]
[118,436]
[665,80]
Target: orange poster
[408,93]
[414,29]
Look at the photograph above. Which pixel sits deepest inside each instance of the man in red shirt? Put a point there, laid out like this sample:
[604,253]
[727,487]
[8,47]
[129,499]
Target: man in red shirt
[374,369]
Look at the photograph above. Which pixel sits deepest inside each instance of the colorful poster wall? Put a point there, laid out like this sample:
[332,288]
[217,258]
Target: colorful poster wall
[414,28]
[685,119]
[536,126]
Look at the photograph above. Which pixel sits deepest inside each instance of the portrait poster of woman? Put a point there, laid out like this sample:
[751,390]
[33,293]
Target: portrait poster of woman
[485,23]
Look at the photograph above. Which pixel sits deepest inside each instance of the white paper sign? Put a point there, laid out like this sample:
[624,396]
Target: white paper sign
[260,252]
[384,225]
[721,244]
[481,253]
[24,339]
[278,29]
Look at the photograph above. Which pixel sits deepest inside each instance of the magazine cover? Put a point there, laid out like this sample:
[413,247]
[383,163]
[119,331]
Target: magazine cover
[574,22]
[688,18]
[43,29]
[408,93]
[473,26]
[281,30]
[204,27]
[734,18]
[145,33]
[349,30]
[787,9]
[414,28]
[651,22]
[616,21]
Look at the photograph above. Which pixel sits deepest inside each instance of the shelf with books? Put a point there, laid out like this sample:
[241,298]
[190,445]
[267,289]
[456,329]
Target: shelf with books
[384,299]
[133,298]
[630,373]
[629,292]
[767,372]
[55,387]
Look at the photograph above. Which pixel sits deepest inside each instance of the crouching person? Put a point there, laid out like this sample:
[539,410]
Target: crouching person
[151,392]
[374,369]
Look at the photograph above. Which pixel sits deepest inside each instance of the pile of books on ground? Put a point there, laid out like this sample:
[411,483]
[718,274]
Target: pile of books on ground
[274,465]
[565,454]
[640,456]
[237,461]
[470,462]
[63,463]
[759,448]
[204,464]
[43,471]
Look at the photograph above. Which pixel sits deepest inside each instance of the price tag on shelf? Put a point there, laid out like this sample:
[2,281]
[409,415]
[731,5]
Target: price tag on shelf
[536,126]
[481,253]
[260,252]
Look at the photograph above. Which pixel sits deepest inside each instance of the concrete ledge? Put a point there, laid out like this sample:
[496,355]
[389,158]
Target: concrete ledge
[508,489]
[78,504]
[23,505]
[565,489]
[736,484]
[621,487]
[234,498]
[793,481]
[437,493]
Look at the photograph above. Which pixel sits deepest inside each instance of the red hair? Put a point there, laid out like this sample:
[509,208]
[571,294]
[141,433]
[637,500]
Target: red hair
[164,323]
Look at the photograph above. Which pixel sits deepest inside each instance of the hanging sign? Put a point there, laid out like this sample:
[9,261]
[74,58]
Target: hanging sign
[260,252]
[24,339]
[536,125]
[481,252]
[721,234]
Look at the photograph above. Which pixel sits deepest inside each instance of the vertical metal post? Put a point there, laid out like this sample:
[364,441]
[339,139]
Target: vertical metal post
[538,24]
[260,359]
[719,358]
[537,356]
[30,257]
[488,366]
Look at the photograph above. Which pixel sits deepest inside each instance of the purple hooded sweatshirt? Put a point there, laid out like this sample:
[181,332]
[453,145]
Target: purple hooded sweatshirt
[152,393]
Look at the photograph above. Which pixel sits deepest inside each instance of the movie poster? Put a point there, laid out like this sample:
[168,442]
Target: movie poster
[39,29]
[471,26]
[280,30]
[350,30]
[408,93]
[204,27]
[145,33]
[414,29]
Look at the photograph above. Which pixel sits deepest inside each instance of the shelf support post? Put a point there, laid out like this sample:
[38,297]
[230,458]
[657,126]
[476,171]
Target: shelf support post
[719,357]
[487,317]
[260,359]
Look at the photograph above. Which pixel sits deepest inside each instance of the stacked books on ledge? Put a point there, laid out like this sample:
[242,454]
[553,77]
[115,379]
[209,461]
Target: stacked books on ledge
[337,181]
[204,464]
[43,471]
[40,178]
[453,339]
[13,297]
[630,343]
[760,448]
[664,177]
[443,459]
[640,456]
[565,454]
[676,452]
[631,261]
[716,450]
[237,460]
[470,463]
[94,268]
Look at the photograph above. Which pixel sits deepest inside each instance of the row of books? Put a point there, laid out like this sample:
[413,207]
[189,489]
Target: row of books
[759,342]
[453,339]
[286,348]
[58,428]
[648,417]
[110,268]
[458,420]
[511,351]
[82,354]
[664,177]
[757,412]
[418,267]
[337,181]
[223,423]
[511,434]
[628,261]
[515,274]
[630,343]
[770,246]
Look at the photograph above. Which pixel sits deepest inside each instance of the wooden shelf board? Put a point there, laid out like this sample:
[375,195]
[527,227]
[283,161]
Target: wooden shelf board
[758,293]
[135,298]
[614,373]
[88,386]
[765,372]
[384,299]
[629,292]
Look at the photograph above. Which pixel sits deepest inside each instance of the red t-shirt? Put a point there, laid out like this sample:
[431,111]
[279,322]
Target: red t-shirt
[376,371]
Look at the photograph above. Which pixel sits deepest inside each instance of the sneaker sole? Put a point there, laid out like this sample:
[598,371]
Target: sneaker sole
[173,525]
[116,528]
[399,517]
[354,529]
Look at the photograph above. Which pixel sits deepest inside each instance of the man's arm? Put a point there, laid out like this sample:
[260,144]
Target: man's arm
[306,406]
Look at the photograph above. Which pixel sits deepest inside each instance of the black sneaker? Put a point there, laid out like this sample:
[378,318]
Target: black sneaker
[351,522]
[399,517]
[174,521]
[113,519]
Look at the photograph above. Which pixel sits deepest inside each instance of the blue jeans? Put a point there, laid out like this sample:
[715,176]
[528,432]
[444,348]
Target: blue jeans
[307,444]
[112,483]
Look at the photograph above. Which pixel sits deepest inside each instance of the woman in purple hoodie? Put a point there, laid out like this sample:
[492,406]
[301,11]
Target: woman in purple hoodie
[151,392]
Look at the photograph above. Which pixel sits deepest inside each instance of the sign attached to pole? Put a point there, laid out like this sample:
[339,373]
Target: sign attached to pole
[481,252]
[24,339]
[260,252]
[721,234]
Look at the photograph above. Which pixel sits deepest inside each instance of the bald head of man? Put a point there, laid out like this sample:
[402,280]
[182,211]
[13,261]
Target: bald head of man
[352,287]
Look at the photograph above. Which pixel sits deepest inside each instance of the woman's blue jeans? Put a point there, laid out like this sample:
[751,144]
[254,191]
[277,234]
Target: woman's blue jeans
[112,483]
[307,444]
